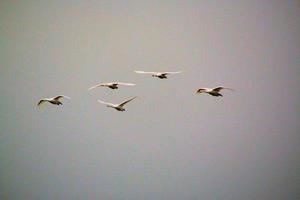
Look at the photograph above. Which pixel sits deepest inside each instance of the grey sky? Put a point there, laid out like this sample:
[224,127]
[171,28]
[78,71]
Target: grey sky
[170,143]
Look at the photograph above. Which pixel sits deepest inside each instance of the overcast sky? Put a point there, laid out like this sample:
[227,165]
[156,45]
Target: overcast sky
[170,144]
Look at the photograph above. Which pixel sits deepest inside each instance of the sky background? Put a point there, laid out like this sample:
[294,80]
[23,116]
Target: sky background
[170,143]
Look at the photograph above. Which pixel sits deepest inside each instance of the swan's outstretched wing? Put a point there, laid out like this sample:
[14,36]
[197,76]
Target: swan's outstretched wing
[125,102]
[143,72]
[59,97]
[100,84]
[42,101]
[127,84]
[171,72]
[106,103]
[217,89]
[95,86]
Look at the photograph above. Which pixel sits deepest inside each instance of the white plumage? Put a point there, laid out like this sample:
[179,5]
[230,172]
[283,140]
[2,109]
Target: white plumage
[119,107]
[53,100]
[161,75]
[213,91]
[111,85]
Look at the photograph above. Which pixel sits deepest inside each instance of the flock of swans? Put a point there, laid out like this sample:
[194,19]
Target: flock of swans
[115,85]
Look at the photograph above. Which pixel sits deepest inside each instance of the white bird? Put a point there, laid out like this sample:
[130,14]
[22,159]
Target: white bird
[213,91]
[118,107]
[54,100]
[112,85]
[161,75]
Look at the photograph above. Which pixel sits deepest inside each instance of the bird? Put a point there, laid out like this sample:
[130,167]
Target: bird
[54,100]
[112,85]
[161,75]
[213,91]
[118,107]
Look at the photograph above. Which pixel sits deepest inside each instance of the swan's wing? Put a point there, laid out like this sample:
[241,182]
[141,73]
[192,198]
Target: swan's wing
[98,85]
[217,89]
[127,84]
[171,72]
[143,72]
[42,101]
[59,97]
[106,103]
[95,86]
[125,102]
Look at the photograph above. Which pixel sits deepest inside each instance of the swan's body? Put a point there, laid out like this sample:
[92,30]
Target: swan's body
[213,91]
[161,75]
[112,85]
[118,107]
[54,100]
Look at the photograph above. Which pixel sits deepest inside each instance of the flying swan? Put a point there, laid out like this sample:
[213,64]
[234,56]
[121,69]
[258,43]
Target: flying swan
[213,91]
[112,85]
[161,75]
[54,100]
[118,107]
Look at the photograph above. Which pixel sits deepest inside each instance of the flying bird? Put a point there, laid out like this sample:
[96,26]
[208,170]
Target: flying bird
[161,75]
[118,107]
[112,85]
[54,100]
[213,91]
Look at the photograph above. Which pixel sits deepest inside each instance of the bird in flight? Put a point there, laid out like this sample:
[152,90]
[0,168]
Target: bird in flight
[118,107]
[161,75]
[54,100]
[213,91]
[112,85]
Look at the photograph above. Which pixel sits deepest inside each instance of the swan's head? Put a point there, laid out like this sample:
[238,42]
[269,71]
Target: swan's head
[120,109]
[201,90]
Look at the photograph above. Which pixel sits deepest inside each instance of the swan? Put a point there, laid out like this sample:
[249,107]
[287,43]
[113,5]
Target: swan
[161,75]
[54,100]
[118,107]
[213,91]
[112,85]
